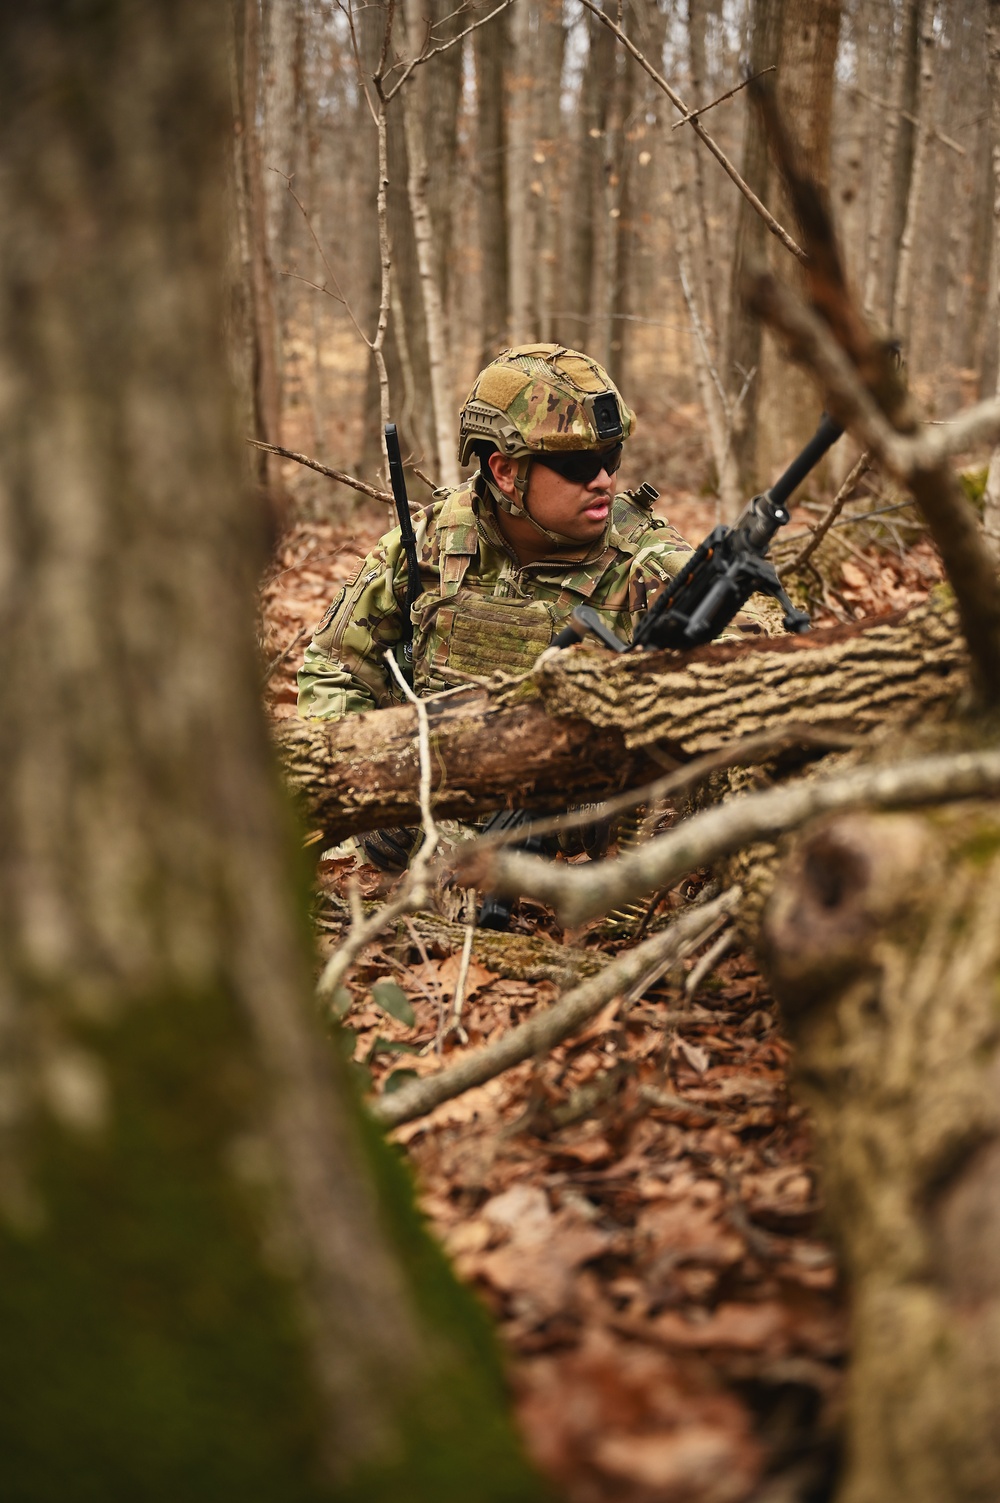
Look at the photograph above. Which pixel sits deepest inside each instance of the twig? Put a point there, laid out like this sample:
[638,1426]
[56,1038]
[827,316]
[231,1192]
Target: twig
[662,967]
[707,963]
[813,345]
[696,114]
[314,464]
[284,654]
[920,461]
[579,893]
[907,115]
[699,130]
[431,484]
[852,520]
[455,1019]
[412,893]
[542,1032]
[836,507]
[444,46]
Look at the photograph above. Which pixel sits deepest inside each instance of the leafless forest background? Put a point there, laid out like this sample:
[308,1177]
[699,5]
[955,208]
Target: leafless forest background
[539,186]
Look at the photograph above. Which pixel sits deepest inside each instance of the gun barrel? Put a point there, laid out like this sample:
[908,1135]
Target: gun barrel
[824,438]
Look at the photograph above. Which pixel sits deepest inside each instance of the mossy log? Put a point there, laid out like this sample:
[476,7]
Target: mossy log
[883,945]
[585,723]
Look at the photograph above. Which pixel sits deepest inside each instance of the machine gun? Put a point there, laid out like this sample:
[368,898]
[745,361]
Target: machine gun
[722,573]
[696,606]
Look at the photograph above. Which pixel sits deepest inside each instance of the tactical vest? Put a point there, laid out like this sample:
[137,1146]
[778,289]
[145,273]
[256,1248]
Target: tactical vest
[466,628]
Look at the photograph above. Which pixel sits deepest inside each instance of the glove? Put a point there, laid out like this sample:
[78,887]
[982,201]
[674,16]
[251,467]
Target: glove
[390,850]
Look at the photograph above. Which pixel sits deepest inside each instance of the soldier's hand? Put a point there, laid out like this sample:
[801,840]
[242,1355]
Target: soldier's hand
[390,850]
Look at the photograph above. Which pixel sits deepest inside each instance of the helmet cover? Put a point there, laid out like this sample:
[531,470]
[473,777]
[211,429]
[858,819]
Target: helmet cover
[537,398]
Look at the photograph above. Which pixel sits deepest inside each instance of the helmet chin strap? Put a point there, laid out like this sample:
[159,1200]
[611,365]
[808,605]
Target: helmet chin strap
[519,507]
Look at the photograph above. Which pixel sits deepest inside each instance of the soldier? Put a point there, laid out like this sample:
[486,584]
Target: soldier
[506,557]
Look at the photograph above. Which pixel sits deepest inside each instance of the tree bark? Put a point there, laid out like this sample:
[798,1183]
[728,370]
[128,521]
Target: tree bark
[491,194]
[902,309]
[585,723]
[807,56]
[444,459]
[745,336]
[893,166]
[202,1292]
[991,508]
[520,86]
[883,939]
[265,357]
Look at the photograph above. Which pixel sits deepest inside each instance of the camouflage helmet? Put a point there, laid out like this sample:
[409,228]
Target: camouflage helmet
[541,398]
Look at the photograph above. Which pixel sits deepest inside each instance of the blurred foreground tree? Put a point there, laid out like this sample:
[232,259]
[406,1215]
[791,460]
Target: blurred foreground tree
[202,1287]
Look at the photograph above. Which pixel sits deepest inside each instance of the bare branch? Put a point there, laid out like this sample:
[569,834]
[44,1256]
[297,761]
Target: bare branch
[283,656]
[696,114]
[412,893]
[836,507]
[546,1029]
[444,46]
[322,469]
[338,295]
[699,130]
[917,456]
[579,893]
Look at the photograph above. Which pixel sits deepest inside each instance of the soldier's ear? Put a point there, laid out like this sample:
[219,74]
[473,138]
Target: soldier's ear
[504,472]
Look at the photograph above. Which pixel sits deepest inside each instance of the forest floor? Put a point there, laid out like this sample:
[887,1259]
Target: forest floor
[669,1306]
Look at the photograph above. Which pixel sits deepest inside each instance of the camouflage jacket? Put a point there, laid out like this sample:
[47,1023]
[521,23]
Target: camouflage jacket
[479,609]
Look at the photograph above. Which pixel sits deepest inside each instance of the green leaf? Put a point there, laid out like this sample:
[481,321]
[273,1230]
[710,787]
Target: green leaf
[341,1002]
[393,1000]
[397,1079]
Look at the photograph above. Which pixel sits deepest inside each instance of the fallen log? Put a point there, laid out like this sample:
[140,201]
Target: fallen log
[585,723]
[882,943]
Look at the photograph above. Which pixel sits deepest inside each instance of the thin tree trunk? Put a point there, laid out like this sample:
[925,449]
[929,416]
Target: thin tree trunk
[991,509]
[266,359]
[806,63]
[902,312]
[521,217]
[745,335]
[489,45]
[551,50]
[445,461]
[882,238]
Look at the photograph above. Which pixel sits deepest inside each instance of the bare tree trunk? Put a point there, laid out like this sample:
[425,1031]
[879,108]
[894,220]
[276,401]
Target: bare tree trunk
[902,311]
[893,162]
[743,373]
[282,49]
[202,1293]
[806,63]
[489,43]
[551,51]
[580,241]
[991,509]
[521,219]
[266,365]
[445,461]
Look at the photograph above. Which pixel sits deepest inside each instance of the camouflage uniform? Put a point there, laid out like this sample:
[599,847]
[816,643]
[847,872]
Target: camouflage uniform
[479,609]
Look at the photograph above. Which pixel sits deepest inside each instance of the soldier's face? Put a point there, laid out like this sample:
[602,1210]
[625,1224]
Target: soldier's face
[574,511]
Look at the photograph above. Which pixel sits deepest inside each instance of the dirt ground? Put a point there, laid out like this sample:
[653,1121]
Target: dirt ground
[638,1210]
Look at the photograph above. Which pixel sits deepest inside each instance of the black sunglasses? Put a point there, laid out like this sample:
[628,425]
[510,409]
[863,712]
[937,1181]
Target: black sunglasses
[581,466]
